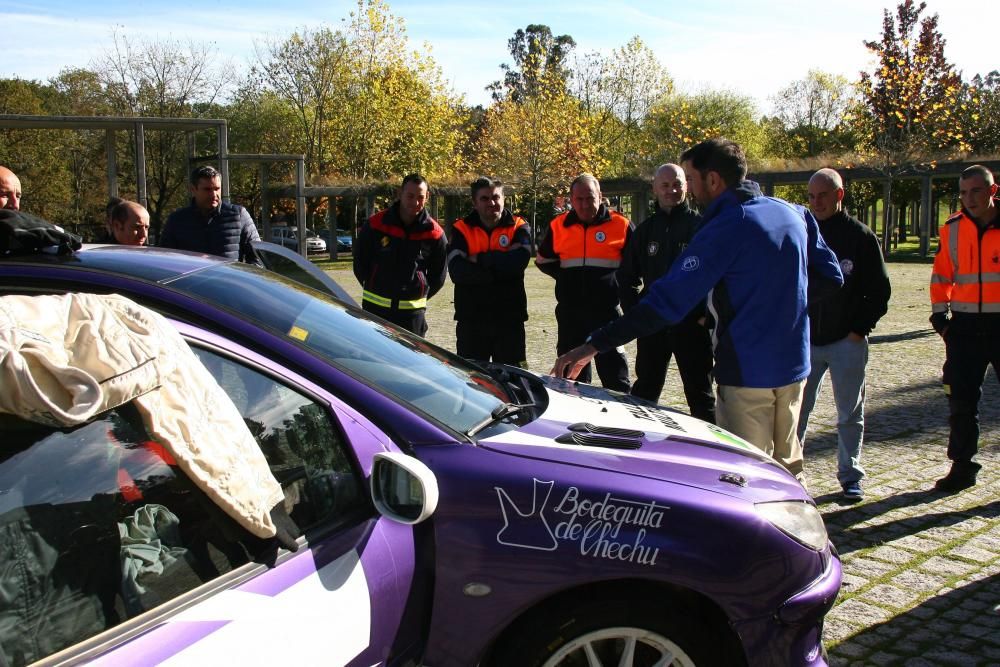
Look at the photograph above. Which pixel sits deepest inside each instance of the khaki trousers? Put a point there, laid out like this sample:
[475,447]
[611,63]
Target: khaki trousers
[766,418]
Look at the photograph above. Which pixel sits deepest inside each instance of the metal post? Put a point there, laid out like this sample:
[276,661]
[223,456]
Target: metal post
[925,215]
[109,147]
[300,204]
[140,165]
[265,201]
[190,154]
[223,139]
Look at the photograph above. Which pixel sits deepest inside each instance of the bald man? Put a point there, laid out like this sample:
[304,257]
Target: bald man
[130,223]
[839,325]
[10,190]
[651,251]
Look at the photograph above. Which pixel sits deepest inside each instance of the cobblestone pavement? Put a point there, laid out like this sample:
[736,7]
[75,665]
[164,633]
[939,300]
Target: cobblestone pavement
[921,570]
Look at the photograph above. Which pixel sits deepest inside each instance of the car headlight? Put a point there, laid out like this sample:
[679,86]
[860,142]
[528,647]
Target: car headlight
[800,521]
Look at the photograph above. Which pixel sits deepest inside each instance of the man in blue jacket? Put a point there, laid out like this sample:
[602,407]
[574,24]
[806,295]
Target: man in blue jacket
[210,225]
[753,257]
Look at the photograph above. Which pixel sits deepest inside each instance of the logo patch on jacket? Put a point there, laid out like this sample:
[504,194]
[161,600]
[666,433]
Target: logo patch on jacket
[691,263]
[503,241]
[385,241]
[652,248]
[600,236]
[847,267]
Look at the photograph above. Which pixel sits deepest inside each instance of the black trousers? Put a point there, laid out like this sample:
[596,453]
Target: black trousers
[612,366]
[411,320]
[502,342]
[967,356]
[691,345]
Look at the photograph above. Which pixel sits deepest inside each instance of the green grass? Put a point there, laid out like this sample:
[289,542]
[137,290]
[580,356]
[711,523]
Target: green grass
[324,262]
[909,252]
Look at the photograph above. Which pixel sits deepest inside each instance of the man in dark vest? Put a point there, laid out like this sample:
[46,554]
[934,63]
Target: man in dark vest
[210,225]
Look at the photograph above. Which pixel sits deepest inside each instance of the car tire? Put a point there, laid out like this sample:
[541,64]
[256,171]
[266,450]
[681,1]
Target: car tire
[655,634]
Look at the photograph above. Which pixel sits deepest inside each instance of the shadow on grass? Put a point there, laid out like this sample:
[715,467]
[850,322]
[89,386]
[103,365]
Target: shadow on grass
[907,335]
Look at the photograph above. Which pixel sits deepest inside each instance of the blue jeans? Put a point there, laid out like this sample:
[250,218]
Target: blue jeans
[846,361]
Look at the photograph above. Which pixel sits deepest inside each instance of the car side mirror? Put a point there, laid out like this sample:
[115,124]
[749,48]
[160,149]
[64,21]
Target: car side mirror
[403,489]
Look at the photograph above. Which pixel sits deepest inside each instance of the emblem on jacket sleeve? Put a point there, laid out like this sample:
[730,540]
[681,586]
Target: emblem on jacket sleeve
[385,241]
[691,263]
[600,236]
[504,241]
[847,267]
[652,248]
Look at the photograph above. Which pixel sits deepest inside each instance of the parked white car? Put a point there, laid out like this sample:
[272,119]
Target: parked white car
[287,237]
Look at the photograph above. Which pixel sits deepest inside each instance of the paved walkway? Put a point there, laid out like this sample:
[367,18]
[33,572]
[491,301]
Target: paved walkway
[921,570]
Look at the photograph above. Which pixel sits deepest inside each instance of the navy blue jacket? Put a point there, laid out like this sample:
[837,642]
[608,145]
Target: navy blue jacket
[227,232]
[760,260]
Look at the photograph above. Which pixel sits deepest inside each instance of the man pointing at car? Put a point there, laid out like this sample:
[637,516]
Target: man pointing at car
[750,258]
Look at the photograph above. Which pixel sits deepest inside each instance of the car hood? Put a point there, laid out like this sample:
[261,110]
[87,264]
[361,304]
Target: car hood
[592,427]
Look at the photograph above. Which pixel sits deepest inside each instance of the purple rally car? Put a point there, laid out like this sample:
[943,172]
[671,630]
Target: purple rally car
[452,515]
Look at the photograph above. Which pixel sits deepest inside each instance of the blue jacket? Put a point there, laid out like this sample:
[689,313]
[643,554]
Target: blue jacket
[754,257]
[228,232]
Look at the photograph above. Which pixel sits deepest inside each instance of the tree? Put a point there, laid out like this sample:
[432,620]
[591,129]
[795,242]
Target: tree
[540,61]
[618,91]
[682,120]
[979,110]
[32,153]
[812,111]
[910,99]
[538,144]
[308,70]
[165,79]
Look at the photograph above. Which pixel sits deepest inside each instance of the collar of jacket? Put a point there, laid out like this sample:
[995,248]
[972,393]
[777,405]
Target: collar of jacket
[473,220]
[212,212]
[421,223]
[992,224]
[739,194]
[603,215]
[681,209]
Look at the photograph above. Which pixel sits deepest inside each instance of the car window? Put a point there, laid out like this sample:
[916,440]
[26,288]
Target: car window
[99,524]
[425,377]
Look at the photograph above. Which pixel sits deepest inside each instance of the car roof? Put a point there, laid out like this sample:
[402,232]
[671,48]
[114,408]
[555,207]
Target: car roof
[157,264]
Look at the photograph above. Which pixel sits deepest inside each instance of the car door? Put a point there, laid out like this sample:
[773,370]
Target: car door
[146,571]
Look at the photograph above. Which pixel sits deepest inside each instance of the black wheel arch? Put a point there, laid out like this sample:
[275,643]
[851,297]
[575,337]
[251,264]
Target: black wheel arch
[691,603]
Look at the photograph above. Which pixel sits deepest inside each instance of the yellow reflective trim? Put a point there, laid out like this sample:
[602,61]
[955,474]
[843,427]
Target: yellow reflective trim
[401,304]
[415,304]
[298,333]
[371,297]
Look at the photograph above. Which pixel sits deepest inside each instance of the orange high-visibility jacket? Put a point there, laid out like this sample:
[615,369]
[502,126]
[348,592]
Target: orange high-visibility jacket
[598,245]
[966,276]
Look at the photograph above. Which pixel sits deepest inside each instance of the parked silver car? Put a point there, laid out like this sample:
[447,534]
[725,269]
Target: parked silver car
[287,237]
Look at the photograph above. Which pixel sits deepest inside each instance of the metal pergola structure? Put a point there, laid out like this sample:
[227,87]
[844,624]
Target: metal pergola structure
[190,126]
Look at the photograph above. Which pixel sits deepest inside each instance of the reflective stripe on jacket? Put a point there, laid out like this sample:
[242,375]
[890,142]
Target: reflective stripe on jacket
[966,275]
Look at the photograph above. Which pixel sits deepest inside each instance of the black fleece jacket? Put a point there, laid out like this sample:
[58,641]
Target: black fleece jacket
[865,296]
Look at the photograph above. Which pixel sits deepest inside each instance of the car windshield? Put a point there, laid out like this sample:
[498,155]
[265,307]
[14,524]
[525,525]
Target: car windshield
[396,362]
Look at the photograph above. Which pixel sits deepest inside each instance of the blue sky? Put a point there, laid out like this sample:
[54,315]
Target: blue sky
[754,46]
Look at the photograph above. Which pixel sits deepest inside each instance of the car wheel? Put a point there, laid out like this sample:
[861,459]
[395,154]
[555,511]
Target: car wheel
[619,632]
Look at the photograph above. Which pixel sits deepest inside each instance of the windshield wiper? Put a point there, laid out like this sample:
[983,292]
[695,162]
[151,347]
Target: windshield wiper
[499,413]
